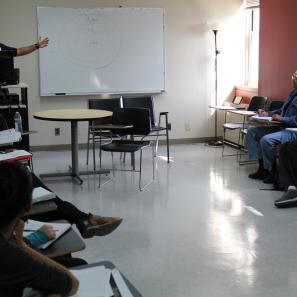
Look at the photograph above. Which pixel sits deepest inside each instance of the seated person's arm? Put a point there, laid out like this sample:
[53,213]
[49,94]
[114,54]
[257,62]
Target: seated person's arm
[262,113]
[278,118]
[41,236]
[41,272]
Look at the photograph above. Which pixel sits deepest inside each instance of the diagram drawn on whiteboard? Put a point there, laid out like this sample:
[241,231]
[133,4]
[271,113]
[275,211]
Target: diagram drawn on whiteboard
[97,47]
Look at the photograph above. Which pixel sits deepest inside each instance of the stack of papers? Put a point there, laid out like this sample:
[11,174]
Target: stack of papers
[10,136]
[32,226]
[261,119]
[15,155]
[41,194]
[95,282]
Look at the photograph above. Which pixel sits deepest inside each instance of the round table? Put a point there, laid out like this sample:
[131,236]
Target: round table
[74,116]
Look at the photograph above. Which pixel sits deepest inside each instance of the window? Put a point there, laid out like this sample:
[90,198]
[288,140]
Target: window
[252,46]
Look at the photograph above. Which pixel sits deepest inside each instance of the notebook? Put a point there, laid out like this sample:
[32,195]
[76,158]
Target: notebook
[60,229]
[15,155]
[9,136]
[261,119]
[41,194]
[93,282]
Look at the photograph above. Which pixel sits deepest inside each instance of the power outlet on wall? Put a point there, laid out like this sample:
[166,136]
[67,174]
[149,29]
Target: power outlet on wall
[187,126]
[57,131]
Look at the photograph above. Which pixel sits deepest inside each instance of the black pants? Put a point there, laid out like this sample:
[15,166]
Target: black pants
[65,210]
[288,164]
[68,261]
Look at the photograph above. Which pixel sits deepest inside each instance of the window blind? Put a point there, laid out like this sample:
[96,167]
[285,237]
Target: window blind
[252,4]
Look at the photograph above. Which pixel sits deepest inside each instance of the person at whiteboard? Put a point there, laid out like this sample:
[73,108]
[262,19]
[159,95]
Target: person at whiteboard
[25,50]
[20,265]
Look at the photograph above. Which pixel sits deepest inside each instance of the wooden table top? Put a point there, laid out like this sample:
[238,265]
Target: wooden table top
[71,114]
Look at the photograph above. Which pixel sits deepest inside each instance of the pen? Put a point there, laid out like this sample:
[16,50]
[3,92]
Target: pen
[33,230]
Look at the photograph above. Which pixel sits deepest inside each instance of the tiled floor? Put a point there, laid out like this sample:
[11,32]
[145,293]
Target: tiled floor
[202,229]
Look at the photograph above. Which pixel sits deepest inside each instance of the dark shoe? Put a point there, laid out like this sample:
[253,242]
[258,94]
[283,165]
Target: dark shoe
[259,174]
[269,179]
[289,199]
[100,227]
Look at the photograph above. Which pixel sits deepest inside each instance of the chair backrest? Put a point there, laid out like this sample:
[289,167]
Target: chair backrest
[104,104]
[3,123]
[275,104]
[139,118]
[143,102]
[257,102]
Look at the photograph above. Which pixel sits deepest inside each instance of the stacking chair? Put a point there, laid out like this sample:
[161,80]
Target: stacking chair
[156,128]
[257,102]
[275,104]
[130,121]
[3,123]
[95,134]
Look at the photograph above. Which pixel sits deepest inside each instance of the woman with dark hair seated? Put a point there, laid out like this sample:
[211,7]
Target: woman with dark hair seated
[20,265]
[89,225]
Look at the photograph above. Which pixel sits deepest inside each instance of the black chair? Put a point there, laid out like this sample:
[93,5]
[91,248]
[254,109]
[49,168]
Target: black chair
[130,121]
[275,104]
[3,123]
[156,128]
[97,135]
[257,102]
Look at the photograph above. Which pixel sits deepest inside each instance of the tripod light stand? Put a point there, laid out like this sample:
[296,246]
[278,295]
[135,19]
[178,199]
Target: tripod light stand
[216,142]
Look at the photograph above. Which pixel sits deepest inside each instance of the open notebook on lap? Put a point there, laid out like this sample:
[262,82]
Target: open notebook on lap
[60,228]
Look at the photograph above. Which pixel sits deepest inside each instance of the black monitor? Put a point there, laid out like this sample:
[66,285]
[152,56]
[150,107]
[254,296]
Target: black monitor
[6,69]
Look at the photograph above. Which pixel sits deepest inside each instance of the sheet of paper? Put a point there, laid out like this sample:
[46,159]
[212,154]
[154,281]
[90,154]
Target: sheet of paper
[41,194]
[121,284]
[9,136]
[263,119]
[15,155]
[93,282]
[60,229]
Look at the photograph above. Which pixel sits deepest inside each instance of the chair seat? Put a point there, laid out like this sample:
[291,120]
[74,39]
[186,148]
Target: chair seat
[233,126]
[102,133]
[125,146]
[157,128]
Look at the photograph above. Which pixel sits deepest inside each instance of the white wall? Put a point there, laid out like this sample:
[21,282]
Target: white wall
[189,51]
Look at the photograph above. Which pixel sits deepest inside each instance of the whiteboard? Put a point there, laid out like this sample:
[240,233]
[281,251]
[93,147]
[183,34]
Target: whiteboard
[101,50]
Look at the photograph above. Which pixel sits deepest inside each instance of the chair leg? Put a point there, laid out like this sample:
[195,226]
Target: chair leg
[223,146]
[238,144]
[153,160]
[240,148]
[167,138]
[100,167]
[88,147]
[94,157]
[140,168]
[140,171]
[112,162]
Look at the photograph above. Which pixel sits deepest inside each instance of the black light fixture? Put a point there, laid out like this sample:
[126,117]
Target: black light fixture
[216,142]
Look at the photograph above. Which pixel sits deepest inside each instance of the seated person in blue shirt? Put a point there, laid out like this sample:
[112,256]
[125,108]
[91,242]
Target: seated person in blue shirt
[20,265]
[262,140]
